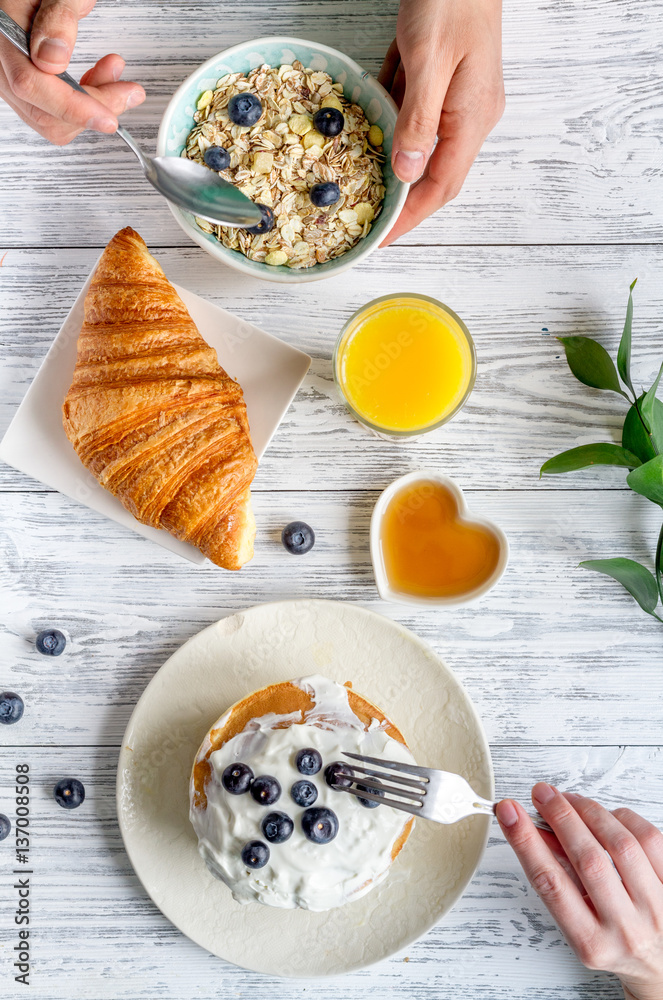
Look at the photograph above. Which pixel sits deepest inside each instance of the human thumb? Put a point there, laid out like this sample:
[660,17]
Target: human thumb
[53,34]
[417,124]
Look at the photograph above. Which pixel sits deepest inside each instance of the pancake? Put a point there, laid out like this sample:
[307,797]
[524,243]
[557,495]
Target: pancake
[265,731]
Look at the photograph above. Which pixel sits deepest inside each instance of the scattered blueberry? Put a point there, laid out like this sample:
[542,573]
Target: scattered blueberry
[334,774]
[329,121]
[319,825]
[304,793]
[255,854]
[244,109]
[11,707]
[217,158]
[265,224]
[5,827]
[298,538]
[265,789]
[237,778]
[277,827]
[69,793]
[308,761]
[50,642]
[324,194]
[369,803]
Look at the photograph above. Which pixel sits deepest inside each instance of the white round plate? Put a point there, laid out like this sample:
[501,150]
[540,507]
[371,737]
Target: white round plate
[223,663]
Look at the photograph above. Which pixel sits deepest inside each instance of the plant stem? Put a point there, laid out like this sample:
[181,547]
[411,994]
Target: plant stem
[659,563]
[644,426]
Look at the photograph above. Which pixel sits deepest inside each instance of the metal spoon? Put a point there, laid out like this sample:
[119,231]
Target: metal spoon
[187,184]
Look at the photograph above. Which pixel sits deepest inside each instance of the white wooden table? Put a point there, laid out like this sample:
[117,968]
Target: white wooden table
[561,211]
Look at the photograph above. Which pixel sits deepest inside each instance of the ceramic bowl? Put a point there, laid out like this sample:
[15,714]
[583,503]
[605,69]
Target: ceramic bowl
[385,589]
[358,86]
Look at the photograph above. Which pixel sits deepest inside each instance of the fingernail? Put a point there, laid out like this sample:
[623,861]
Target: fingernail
[572,796]
[543,793]
[408,167]
[134,98]
[53,50]
[102,124]
[506,813]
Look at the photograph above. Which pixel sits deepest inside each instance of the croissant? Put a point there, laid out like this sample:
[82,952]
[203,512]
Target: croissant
[153,416]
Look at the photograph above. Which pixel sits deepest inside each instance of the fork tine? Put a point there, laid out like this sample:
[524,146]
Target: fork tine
[418,796]
[394,777]
[411,808]
[396,765]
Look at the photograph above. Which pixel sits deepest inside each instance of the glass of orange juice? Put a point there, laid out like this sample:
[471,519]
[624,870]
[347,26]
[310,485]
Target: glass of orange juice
[405,364]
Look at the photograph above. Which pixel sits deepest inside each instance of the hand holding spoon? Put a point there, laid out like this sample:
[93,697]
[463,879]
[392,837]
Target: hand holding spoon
[183,182]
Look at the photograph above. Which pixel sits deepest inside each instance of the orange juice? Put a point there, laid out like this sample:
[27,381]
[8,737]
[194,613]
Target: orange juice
[405,364]
[428,549]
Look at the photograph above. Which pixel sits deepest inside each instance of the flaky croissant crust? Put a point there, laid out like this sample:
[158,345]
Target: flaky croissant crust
[151,413]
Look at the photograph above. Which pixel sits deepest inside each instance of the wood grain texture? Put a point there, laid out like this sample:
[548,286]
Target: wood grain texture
[97,936]
[560,212]
[576,157]
[547,655]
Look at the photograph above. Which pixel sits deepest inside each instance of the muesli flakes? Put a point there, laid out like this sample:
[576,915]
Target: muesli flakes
[278,160]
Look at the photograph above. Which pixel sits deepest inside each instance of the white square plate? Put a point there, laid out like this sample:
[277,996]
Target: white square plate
[269,372]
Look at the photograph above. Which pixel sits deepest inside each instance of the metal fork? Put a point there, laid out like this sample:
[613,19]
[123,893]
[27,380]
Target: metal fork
[437,795]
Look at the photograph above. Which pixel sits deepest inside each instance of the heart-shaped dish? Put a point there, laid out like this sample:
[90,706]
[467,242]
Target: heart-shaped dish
[460,521]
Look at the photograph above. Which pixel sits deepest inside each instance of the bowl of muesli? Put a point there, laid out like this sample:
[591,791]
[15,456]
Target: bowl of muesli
[304,132]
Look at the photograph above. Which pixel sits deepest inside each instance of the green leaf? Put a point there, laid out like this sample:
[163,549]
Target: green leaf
[647,408]
[657,426]
[637,579]
[634,435]
[624,353]
[647,480]
[590,454]
[591,364]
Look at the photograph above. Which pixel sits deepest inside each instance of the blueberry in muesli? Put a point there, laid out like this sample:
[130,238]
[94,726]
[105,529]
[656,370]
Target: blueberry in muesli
[5,827]
[325,194]
[244,109]
[265,225]
[217,158]
[329,122]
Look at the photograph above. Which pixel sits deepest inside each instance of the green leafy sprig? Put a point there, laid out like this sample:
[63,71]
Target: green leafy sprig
[641,451]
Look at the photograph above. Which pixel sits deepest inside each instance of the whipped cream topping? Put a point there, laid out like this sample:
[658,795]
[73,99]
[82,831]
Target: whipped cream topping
[300,873]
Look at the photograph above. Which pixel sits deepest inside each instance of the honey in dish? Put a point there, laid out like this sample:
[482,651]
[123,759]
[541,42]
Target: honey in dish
[405,363]
[428,549]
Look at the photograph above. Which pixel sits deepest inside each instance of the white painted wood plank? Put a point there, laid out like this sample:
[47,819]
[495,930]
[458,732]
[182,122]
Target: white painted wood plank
[96,934]
[576,158]
[553,654]
[526,405]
